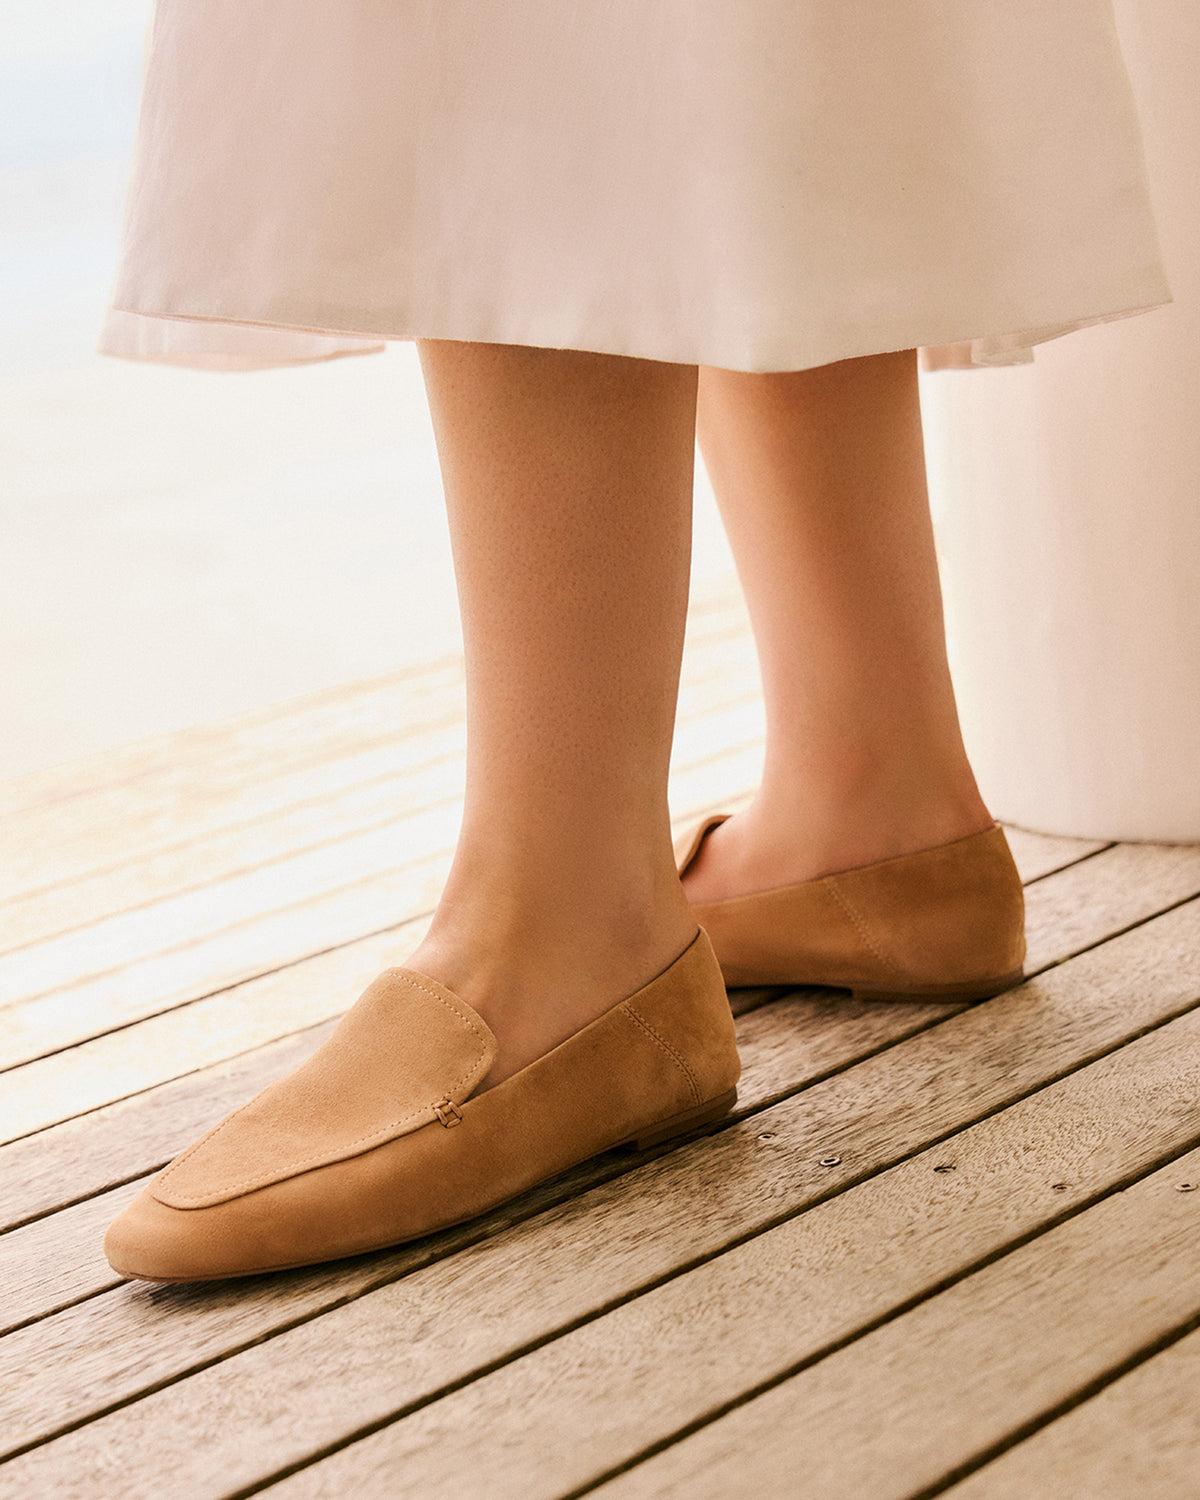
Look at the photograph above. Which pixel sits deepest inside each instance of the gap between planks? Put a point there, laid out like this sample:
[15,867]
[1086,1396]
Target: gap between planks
[1138,1436]
[1068,912]
[691,1203]
[714,612]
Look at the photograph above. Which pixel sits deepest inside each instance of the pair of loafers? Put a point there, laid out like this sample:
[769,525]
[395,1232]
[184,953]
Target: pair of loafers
[383,1136]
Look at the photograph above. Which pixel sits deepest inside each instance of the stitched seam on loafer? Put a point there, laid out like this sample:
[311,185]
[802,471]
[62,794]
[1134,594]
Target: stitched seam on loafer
[294,1168]
[668,1049]
[410,977]
[378,1136]
[861,928]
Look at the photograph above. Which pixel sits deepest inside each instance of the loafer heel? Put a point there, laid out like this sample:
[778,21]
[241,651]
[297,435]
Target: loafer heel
[680,1124]
[945,923]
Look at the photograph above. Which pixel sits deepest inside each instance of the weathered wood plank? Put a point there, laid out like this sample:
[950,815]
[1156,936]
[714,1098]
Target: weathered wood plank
[191,1037]
[906,1406]
[568,1413]
[804,1038]
[1139,1437]
[227,771]
[57,1261]
[1040,854]
[95,960]
[1087,902]
[318,813]
[689,1204]
[208,968]
[238,780]
[1067,911]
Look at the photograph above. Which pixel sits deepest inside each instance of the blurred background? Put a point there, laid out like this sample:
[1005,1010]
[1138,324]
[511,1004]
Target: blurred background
[178,545]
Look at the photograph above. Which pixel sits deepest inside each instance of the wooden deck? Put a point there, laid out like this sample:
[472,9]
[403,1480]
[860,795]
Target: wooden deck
[937,1250]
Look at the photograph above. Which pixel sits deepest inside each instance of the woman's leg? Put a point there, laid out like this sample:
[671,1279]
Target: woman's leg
[820,476]
[568,480]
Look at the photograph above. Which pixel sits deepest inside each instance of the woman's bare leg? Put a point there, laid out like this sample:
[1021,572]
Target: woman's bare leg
[820,476]
[568,481]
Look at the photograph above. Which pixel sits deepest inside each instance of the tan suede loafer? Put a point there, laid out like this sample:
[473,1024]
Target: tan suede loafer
[946,923]
[379,1137]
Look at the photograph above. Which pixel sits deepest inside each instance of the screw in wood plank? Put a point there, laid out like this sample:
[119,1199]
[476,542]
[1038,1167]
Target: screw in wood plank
[830,1161]
[1186,1187]
[946,1166]
[767,1135]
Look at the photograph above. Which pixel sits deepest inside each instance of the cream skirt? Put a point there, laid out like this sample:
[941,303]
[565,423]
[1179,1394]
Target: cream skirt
[756,184]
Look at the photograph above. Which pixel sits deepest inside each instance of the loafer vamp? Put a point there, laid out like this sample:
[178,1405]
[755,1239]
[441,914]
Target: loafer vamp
[407,1048]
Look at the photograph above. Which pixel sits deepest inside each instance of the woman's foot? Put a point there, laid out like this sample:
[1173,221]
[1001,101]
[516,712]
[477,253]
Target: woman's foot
[768,846]
[820,476]
[386,1132]
[539,975]
[945,921]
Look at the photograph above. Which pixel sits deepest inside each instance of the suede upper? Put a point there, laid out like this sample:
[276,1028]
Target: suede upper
[407,1046]
[943,921]
[351,1152]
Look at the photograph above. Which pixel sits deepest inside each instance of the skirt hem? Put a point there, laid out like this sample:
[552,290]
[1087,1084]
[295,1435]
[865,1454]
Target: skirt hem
[222,342]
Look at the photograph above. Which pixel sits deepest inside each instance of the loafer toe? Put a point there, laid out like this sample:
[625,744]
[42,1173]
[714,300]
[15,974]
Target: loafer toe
[152,1242]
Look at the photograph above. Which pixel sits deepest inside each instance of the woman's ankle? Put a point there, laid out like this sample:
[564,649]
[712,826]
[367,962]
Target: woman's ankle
[540,972]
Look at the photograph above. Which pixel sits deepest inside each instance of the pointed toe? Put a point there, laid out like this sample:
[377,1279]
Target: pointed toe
[151,1242]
